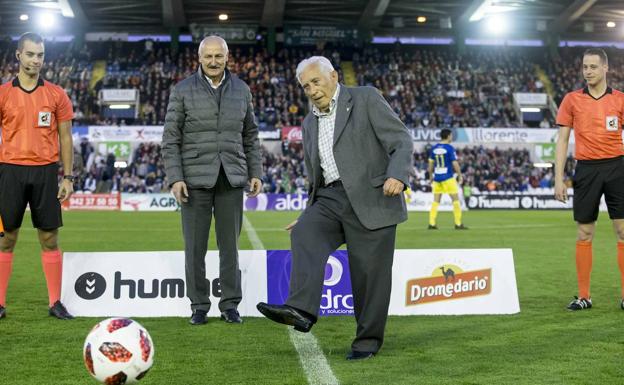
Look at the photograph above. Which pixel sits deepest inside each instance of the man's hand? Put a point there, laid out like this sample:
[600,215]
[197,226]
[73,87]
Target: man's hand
[460,179]
[393,187]
[561,191]
[180,192]
[255,186]
[290,226]
[66,189]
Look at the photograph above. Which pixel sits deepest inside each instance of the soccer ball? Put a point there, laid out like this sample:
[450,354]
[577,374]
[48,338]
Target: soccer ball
[118,351]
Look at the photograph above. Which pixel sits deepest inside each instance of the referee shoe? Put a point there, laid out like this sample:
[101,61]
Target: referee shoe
[580,304]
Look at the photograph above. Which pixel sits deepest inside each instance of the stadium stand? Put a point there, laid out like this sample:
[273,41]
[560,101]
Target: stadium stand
[431,87]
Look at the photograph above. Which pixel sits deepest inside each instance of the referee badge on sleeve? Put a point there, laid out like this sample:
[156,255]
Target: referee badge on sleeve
[612,123]
[45,119]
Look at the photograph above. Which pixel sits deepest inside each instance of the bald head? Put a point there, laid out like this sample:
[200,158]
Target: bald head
[213,55]
[213,42]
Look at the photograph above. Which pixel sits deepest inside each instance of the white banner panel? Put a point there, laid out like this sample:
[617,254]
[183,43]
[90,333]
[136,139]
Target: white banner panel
[148,202]
[454,281]
[511,135]
[125,133]
[531,98]
[421,201]
[150,284]
[119,95]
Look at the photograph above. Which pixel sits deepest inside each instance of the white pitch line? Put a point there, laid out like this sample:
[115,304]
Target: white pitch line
[313,361]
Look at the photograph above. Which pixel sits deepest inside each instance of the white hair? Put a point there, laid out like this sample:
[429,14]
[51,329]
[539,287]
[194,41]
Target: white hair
[324,65]
[212,39]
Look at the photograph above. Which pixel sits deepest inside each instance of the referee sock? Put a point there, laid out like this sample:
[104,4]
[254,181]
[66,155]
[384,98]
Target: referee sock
[583,267]
[433,213]
[53,269]
[6,265]
[620,257]
[457,213]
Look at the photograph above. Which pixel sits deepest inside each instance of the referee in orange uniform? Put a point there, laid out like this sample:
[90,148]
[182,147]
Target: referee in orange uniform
[596,114]
[35,115]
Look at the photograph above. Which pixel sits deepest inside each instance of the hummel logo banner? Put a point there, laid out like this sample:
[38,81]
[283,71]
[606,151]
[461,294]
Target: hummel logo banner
[152,284]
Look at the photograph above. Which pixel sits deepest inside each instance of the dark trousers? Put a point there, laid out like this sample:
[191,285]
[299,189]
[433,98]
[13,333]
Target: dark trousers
[226,203]
[328,223]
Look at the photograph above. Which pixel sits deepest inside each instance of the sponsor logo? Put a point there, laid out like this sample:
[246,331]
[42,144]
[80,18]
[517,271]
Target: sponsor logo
[45,119]
[291,202]
[258,203]
[426,135]
[335,302]
[166,288]
[448,282]
[526,202]
[292,134]
[278,202]
[153,202]
[90,286]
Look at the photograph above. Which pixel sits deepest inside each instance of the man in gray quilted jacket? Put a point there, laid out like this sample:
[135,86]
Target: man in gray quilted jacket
[211,152]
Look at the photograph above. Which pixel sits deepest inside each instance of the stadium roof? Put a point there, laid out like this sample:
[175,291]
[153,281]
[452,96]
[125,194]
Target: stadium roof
[571,18]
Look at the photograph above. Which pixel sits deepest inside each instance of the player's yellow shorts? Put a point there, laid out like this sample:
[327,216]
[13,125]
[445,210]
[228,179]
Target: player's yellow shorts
[448,186]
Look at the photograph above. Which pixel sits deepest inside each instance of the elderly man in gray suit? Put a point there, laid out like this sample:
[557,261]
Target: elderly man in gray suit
[211,152]
[358,156]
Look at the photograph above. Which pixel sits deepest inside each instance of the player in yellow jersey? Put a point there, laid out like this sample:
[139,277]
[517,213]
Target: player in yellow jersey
[442,163]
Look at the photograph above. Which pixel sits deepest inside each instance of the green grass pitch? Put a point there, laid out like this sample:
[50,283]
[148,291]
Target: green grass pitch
[543,344]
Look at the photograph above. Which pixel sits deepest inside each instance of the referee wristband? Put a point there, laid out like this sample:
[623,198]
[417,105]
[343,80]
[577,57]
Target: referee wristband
[69,177]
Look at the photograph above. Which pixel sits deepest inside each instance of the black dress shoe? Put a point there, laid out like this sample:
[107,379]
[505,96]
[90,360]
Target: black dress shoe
[199,317]
[2,312]
[287,315]
[231,316]
[356,355]
[58,310]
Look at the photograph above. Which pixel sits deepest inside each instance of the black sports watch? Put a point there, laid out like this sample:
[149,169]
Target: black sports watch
[69,177]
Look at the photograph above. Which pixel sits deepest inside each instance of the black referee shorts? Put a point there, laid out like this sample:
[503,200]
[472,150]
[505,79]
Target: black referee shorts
[592,178]
[36,186]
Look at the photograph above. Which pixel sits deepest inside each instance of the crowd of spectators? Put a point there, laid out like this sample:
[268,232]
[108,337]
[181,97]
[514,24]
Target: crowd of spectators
[442,88]
[427,87]
[483,169]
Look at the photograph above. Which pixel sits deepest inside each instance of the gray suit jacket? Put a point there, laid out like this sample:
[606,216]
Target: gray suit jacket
[371,144]
[201,135]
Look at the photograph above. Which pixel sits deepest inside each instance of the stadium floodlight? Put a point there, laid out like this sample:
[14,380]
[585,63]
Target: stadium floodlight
[496,24]
[47,20]
[119,106]
[542,165]
[24,17]
[421,19]
[66,9]
[610,24]
[223,17]
[530,109]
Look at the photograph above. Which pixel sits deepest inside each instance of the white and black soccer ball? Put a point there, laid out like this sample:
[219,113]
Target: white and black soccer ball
[118,351]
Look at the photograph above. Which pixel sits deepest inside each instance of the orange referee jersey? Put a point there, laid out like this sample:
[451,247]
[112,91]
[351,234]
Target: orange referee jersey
[597,123]
[29,121]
